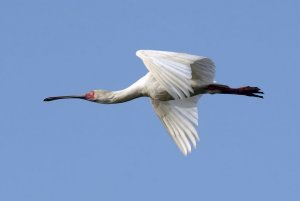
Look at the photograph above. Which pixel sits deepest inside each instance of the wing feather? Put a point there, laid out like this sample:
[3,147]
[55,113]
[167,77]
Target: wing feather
[168,124]
[175,71]
[180,117]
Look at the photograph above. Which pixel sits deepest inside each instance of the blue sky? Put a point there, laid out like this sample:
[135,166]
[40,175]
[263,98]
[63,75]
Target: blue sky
[75,150]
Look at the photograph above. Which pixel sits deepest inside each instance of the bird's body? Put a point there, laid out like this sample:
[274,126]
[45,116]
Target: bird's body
[174,83]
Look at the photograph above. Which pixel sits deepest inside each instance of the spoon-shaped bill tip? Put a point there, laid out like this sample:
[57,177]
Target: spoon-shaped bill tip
[49,99]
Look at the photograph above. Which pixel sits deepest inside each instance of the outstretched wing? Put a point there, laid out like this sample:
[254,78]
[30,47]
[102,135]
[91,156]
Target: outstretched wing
[175,71]
[180,117]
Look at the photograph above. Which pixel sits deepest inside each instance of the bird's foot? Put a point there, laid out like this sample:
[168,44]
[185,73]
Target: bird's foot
[250,91]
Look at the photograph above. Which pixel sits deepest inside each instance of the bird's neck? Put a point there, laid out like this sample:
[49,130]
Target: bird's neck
[125,95]
[136,90]
[121,96]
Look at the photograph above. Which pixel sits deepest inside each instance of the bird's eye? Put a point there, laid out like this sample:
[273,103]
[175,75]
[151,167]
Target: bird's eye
[90,95]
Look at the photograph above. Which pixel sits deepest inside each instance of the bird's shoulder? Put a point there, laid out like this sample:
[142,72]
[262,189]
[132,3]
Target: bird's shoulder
[154,89]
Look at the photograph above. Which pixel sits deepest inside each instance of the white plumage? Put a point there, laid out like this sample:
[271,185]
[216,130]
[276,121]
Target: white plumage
[174,71]
[174,84]
[177,72]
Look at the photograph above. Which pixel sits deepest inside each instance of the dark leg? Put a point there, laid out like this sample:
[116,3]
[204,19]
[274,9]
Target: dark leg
[246,91]
[250,91]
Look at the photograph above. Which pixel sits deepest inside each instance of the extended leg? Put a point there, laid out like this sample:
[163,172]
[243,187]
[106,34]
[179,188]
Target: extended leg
[246,91]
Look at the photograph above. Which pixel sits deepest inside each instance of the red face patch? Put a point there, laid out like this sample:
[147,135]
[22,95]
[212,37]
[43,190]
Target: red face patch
[90,95]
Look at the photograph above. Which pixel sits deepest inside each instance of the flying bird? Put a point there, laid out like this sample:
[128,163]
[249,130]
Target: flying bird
[174,84]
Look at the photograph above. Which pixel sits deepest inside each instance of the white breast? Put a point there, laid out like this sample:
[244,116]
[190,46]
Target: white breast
[152,88]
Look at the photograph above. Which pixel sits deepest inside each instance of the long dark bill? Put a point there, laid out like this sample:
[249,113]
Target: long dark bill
[63,97]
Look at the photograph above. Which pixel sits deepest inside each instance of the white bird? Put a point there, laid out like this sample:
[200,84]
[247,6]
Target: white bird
[174,83]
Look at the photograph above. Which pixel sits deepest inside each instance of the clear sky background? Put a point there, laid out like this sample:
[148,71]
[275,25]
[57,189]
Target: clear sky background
[74,150]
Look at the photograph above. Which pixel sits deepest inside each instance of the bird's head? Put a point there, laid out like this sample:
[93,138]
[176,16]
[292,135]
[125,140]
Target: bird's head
[99,96]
